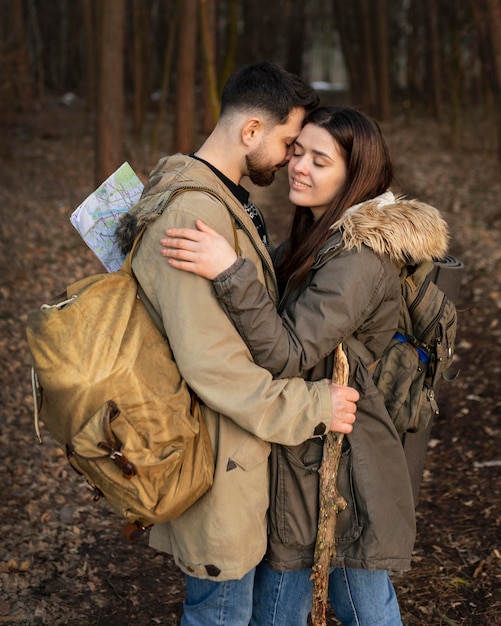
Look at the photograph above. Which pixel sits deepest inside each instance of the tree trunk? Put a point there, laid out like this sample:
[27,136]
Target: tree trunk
[367,67]
[494,11]
[231,41]
[456,82]
[484,49]
[295,36]
[264,24]
[383,61]
[436,73]
[494,20]
[90,22]
[17,85]
[414,68]
[110,114]
[349,34]
[138,65]
[211,96]
[186,75]
[171,28]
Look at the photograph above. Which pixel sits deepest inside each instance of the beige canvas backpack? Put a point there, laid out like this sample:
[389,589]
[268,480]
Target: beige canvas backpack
[109,391]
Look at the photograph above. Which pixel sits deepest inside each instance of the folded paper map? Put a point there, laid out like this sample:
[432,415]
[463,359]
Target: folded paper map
[97,217]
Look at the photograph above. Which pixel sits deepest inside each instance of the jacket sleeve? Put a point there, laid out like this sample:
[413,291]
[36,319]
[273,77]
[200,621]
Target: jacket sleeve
[209,352]
[340,300]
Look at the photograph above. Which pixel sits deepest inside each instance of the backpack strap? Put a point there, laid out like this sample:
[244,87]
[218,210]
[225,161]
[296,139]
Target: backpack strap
[369,361]
[361,351]
[169,195]
[127,264]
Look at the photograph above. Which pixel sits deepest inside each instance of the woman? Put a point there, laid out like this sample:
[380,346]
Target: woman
[339,277]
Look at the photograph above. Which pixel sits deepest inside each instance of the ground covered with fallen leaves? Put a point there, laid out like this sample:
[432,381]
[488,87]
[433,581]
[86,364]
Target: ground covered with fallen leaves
[62,557]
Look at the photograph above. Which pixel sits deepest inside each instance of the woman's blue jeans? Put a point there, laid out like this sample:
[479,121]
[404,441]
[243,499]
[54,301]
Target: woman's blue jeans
[358,597]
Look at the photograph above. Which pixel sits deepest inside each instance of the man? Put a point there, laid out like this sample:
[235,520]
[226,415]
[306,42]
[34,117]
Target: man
[218,542]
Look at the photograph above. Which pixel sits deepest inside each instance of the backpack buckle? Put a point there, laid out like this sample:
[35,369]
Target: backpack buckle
[120,460]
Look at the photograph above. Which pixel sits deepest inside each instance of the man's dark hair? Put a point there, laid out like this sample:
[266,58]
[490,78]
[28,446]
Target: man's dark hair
[267,87]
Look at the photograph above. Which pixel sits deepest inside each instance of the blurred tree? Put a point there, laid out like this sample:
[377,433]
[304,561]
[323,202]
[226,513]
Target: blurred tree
[263,32]
[109,132]
[436,70]
[172,16]
[228,52]
[494,13]
[295,23]
[184,138]
[140,62]
[419,57]
[208,22]
[383,102]
[17,86]
[89,84]
[367,67]
[355,23]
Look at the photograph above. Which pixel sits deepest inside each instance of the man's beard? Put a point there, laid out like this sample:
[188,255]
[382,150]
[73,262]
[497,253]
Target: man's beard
[260,176]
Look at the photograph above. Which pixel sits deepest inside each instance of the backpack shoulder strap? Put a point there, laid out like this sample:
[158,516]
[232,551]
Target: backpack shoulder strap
[169,195]
[127,264]
[361,351]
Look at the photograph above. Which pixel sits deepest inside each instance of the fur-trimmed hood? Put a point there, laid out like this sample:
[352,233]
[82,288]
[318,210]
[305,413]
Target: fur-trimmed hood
[408,231]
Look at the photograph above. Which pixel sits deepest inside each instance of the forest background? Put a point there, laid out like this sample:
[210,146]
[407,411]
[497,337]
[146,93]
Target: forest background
[87,84]
[130,62]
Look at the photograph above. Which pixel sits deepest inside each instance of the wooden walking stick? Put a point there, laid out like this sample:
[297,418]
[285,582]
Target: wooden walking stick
[330,503]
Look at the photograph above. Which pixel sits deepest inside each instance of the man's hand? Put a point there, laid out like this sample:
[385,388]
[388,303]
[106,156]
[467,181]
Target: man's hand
[343,408]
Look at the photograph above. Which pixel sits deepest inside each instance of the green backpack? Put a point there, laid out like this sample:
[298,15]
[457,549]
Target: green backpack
[418,356]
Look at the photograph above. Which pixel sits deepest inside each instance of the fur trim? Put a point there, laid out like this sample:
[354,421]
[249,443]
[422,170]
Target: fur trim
[126,232]
[146,211]
[408,231]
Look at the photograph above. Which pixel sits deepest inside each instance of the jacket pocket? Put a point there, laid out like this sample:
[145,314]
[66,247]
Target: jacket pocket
[250,453]
[348,527]
[294,495]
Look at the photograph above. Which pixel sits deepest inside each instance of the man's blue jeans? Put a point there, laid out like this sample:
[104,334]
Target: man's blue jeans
[358,597]
[209,603]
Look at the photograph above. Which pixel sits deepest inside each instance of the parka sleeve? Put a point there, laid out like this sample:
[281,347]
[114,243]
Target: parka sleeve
[340,300]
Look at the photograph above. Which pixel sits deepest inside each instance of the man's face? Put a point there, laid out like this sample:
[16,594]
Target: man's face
[274,150]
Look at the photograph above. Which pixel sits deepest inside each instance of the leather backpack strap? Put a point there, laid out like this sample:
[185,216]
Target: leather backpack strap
[170,195]
[127,264]
[223,201]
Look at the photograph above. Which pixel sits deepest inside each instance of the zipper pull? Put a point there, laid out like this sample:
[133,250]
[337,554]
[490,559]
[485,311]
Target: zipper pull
[432,400]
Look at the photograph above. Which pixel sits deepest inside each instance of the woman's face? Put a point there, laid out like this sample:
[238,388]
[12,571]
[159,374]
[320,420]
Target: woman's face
[317,170]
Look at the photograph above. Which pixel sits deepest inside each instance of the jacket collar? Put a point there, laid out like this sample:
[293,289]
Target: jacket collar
[408,231]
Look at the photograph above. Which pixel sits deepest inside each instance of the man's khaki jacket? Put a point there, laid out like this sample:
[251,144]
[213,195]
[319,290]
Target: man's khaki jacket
[224,534]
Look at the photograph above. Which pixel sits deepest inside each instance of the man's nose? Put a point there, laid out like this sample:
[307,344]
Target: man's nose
[289,152]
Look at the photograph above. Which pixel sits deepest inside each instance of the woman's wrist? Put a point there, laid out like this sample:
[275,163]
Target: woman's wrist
[227,273]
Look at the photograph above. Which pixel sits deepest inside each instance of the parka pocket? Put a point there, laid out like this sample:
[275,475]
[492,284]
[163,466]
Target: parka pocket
[250,453]
[295,499]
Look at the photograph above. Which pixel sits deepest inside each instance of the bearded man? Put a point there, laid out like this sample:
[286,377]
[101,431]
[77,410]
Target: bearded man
[219,541]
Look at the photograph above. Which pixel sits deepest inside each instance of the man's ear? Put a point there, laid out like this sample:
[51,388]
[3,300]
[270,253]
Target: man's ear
[251,130]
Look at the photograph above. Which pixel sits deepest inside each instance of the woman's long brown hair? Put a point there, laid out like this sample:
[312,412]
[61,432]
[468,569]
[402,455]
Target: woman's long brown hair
[369,173]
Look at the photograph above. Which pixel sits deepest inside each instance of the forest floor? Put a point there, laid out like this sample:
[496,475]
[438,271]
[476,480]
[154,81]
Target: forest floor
[63,559]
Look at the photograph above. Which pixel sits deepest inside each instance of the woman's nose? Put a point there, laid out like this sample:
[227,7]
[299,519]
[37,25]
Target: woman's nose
[301,165]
